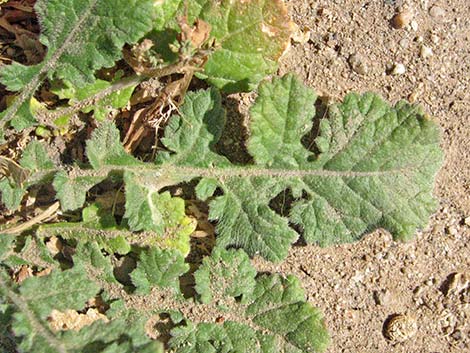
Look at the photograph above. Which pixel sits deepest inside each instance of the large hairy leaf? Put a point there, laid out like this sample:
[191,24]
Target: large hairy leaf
[375,168]
[82,36]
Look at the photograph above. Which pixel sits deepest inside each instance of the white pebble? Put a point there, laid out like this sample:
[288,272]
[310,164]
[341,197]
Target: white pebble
[398,69]
[426,52]
[437,12]
[414,25]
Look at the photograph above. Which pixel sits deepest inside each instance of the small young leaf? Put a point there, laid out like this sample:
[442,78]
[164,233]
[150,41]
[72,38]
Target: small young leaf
[158,268]
[105,148]
[35,157]
[149,210]
[71,192]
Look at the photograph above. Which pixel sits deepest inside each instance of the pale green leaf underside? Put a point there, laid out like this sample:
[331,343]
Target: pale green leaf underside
[376,169]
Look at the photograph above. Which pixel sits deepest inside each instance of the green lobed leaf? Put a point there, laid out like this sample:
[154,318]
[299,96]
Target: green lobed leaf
[6,244]
[376,168]
[12,194]
[255,309]
[161,216]
[36,336]
[35,157]
[39,296]
[233,268]
[89,35]
[192,135]
[252,35]
[31,251]
[105,148]
[271,315]
[71,192]
[88,255]
[158,268]
[15,76]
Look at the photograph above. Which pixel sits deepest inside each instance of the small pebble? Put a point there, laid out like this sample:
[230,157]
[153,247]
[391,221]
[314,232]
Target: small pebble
[457,335]
[425,52]
[300,35]
[452,230]
[435,38]
[398,69]
[413,97]
[404,43]
[457,283]
[437,12]
[414,25]
[358,64]
[383,297]
[401,327]
[402,19]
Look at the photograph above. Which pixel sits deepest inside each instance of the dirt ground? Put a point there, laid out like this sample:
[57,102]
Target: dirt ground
[353,45]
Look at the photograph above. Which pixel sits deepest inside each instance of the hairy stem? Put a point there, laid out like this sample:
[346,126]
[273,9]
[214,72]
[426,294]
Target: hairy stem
[50,66]
[47,117]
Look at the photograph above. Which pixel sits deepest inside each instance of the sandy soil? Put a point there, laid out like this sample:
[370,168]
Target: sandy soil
[352,45]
